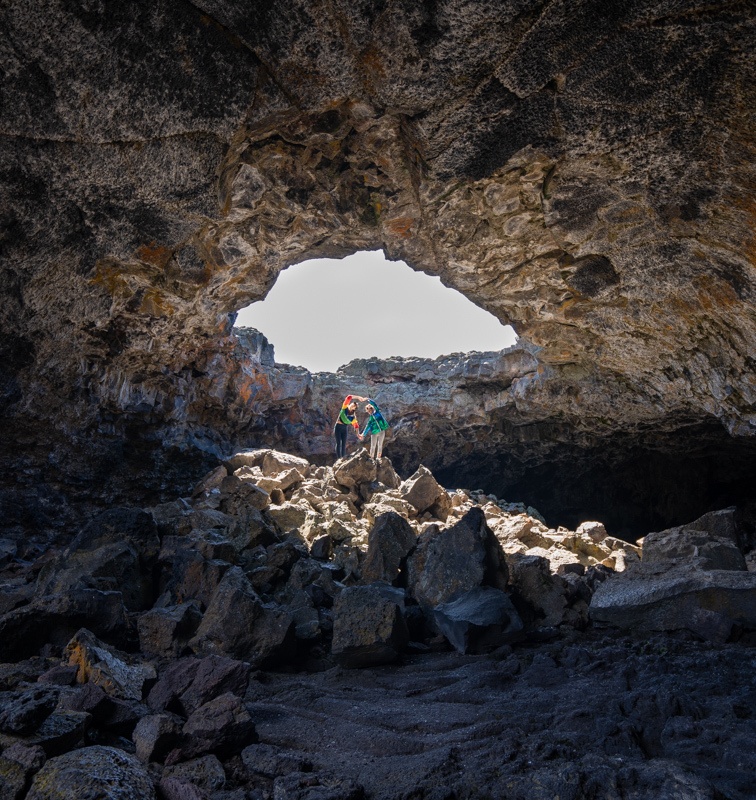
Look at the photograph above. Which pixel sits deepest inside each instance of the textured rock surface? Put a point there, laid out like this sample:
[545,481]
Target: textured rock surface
[581,171]
[92,772]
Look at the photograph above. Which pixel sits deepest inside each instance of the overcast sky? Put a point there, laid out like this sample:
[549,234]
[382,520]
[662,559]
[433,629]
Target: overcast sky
[321,314]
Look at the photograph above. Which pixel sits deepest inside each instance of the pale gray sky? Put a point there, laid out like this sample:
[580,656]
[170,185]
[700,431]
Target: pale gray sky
[321,314]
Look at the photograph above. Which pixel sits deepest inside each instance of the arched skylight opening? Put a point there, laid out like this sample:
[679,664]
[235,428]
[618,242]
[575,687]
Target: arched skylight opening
[323,313]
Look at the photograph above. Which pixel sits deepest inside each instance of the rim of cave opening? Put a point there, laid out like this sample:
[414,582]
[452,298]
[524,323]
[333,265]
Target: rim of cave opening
[322,313]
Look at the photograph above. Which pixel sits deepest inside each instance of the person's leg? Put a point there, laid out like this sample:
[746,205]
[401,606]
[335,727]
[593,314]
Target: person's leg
[373,444]
[379,445]
[341,434]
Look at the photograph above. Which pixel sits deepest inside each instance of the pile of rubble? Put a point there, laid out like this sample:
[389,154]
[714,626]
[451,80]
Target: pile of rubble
[139,638]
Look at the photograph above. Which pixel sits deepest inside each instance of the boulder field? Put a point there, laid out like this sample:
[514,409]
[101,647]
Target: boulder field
[291,630]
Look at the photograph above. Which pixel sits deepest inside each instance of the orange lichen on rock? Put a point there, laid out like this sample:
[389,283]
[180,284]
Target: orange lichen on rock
[155,254]
[401,226]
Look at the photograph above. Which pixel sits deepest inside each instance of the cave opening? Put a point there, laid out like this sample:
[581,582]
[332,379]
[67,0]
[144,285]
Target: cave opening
[322,313]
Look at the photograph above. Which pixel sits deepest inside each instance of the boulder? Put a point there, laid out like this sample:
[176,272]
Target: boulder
[712,540]
[449,561]
[291,516]
[246,458]
[206,773]
[390,541]
[166,632]
[283,481]
[368,625]
[238,496]
[238,624]
[60,732]
[114,566]
[187,575]
[478,620]
[155,735]
[13,779]
[269,760]
[107,712]
[17,764]
[534,584]
[275,462]
[211,481]
[223,726]
[22,713]
[119,674]
[387,474]
[59,675]
[425,493]
[355,470]
[666,597]
[92,772]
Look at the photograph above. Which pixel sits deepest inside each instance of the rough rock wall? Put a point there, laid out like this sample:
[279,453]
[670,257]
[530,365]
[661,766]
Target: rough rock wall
[583,170]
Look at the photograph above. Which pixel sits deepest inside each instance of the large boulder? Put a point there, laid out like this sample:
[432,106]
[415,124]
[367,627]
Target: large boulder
[478,620]
[238,496]
[425,493]
[238,624]
[667,597]
[712,540]
[542,592]
[452,560]
[368,625]
[166,632]
[22,713]
[390,541]
[92,772]
[187,684]
[356,470]
[222,725]
[156,735]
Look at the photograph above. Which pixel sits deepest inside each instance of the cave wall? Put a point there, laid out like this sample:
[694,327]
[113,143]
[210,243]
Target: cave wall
[583,170]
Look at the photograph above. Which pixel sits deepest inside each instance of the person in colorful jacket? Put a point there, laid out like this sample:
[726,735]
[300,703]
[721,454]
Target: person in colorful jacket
[346,420]
[376,426]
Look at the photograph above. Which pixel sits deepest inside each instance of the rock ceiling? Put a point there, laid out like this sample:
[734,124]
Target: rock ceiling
[584,170]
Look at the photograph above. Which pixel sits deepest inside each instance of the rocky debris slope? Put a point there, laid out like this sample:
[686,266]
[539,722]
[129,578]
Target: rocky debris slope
[139,655]
[582,170]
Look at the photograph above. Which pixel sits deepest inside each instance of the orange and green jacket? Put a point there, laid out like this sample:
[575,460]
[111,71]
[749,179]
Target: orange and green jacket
[345,418]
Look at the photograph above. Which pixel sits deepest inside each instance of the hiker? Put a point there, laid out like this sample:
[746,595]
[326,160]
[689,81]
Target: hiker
[376,426]
[346,418]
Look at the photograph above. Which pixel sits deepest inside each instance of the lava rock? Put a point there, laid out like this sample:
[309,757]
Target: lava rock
[237,623]
[390,541]
[117,673]
[481,619]
[166,631]
[664,597]
[21,714]
[92,772]
[368,625]
[456,559]
[222,726]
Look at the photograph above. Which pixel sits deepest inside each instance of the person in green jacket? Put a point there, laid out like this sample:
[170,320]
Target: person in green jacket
[376,426]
